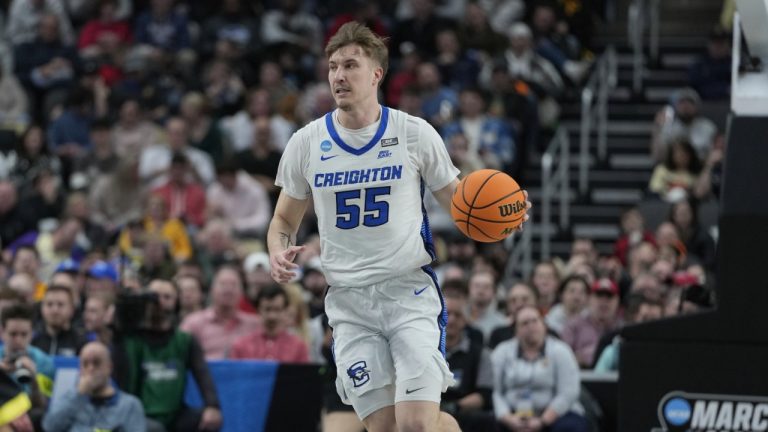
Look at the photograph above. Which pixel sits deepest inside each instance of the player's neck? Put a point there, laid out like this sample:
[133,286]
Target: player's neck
[359,117]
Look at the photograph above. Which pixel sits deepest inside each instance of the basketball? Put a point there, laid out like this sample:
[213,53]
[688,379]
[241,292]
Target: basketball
[488,205]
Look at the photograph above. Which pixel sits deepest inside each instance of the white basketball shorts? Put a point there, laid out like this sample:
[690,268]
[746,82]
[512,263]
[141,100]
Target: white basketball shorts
[389,341]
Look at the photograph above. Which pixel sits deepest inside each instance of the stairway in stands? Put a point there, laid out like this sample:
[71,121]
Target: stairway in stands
[621,180]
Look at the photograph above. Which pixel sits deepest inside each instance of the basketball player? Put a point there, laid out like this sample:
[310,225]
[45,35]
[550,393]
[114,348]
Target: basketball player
[366,167]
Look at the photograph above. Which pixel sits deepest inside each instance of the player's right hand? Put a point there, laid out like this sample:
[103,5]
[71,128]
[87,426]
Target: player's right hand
[282,265]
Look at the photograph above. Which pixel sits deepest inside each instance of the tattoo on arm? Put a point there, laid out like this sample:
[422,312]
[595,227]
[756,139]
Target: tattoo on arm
[285,239]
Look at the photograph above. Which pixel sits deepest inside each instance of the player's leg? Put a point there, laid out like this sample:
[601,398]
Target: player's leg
[416,343]
[423,416]
[382,420]
[364,368]
[341,421]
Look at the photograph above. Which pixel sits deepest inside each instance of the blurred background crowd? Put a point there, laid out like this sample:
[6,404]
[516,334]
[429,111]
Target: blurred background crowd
[139,141]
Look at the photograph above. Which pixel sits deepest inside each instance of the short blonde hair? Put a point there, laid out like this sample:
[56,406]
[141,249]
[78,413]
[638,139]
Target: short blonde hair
[354,33]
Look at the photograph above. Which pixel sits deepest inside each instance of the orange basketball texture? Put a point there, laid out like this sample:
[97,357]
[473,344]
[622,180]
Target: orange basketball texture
[488,205]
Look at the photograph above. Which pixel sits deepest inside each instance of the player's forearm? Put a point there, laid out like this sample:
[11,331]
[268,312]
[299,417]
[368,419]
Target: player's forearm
[281,235]
[445,195]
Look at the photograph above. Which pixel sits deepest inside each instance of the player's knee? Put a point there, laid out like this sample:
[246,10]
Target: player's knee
[416,424]
[447,423]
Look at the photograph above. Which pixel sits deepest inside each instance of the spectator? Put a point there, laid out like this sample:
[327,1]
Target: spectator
[583,333]
[256,268]
[514,101]
[158,222]
[96,404]
[420,29]
[640,309]
[23,286]
[45,65]
[117,197]
[482,311]
[217,247]
[56,335]
[204,132]
[261,159]
[100,160]
[219,325]
[12,221]
[470,397]
[29,366]
[239,200]
[573,295]
[519,295]
[439,103]
[462,157]
[105,35]
[676,176]
[232,31]
[710,179]
[183,195]
[25,16]
[459,68]
[475,31]
[161,32]
[404,76]
[78,207]
[681,119]
[102,279]
[554,43]
[69,134]
[684,215]
[239,128]
[710,75]
[156,259]
[158,359]
[14,104]
[191,295]
[545,280]
[97,318]
[59,245]
[224,87]
[271,341]
[364,12]
[33,158]
[156,159]
[298,323]
[633,233]
[523,63]
[26,260]
[133,132]
[536,380]
[491,139]
[314,283]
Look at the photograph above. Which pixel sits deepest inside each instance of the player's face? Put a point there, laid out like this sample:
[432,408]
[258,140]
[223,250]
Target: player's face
[353,76]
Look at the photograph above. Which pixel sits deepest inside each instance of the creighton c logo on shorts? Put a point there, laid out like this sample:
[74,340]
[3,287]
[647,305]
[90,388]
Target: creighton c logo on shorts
[359,373]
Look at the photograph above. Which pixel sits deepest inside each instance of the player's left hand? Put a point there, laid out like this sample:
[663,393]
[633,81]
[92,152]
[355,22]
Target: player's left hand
[210,420]
[528,206]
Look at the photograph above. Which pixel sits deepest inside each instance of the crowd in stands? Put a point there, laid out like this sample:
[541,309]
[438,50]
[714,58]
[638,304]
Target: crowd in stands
[139,142]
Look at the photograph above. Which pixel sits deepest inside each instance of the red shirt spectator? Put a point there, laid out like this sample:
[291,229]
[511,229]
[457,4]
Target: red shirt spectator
[272,341]
[218,326]
[184,199]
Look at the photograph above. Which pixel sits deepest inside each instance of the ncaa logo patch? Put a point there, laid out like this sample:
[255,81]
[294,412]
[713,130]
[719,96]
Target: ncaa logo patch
[325,146]
[677,411]
[386,142]
[359,373]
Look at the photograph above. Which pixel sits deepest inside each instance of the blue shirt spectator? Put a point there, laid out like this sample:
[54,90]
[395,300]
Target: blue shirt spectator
[162,28]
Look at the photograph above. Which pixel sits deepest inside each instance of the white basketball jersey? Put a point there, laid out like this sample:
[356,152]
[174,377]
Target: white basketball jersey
[367,186]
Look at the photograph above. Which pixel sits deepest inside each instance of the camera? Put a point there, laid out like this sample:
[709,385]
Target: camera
[131,310]
[20,373]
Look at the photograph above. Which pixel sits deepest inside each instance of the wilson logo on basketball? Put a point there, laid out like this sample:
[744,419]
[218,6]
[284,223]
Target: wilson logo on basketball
[510,209]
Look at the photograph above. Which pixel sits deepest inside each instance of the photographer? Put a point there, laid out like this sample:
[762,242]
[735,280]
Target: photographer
[154,358]
[28,366]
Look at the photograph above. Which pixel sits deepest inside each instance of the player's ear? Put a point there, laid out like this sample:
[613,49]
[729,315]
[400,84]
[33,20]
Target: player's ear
[378,74]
